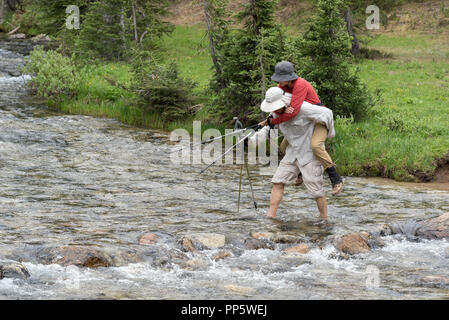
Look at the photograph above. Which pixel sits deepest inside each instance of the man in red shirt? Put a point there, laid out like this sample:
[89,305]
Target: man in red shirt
[301,91]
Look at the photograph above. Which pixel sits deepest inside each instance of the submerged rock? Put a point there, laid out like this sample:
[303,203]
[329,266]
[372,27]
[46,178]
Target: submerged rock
[298,249]
[14,270]
[435,281]
[435,228]
[277,237]
[255,244]
[222,254]
[261,235]
[353,243]
[186,245]
[148,239]
[381,230]
[200,241]
[407,228]
[239,289]
[75,255]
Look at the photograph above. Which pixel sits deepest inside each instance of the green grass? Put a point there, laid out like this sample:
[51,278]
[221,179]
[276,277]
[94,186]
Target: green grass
[189,47]
[411,128]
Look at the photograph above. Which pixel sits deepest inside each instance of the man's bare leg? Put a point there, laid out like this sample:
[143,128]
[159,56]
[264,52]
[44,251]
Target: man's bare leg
[276,196]
[321,203]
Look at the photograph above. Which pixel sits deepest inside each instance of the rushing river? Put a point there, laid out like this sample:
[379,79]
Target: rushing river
[78,180]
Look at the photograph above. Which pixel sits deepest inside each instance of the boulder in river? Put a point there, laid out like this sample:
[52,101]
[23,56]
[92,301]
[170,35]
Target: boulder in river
[186,245]
[435,228]
[148,239]
[222,254]
[255,244]
[261,235]
[204,241]
[353,243]
[80,256]
[298,249]
[14,270]
[278,237]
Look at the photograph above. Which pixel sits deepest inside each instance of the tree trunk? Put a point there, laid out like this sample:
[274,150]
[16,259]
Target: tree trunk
[2,6]
[12,4]
[217,66]
[355,50]
[136,38]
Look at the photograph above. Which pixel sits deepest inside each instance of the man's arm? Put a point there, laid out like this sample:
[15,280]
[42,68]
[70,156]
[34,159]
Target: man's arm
[298,96]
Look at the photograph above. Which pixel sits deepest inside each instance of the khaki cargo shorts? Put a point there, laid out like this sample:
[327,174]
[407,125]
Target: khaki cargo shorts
[312,175]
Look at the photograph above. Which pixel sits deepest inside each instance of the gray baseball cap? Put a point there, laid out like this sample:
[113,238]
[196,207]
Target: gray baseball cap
[284,71]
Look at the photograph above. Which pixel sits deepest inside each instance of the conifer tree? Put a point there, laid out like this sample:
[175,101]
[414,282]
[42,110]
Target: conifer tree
[248,58]
[217,21]
[323,57]
[111,27]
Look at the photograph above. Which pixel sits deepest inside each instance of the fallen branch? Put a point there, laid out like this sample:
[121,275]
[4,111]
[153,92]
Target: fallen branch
[14,30]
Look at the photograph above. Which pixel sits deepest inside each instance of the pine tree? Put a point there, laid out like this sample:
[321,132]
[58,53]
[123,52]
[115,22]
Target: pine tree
[324,58]
[217,21]
[248,58]
[111,27]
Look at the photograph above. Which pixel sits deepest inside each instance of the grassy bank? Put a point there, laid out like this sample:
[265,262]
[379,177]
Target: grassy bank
[408,132]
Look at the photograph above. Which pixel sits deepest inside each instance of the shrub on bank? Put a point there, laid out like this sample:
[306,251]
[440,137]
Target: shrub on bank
[55,77]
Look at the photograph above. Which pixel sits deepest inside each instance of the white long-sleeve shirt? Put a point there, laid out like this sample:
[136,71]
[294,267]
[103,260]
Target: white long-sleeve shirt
[299,130]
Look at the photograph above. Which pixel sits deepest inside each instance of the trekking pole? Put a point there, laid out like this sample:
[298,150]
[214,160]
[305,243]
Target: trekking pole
[239,125]
[227,151]
[240,189]
[251,186]
[217,138]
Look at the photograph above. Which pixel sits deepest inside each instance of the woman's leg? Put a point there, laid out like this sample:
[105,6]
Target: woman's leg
[317,144]
[318,138]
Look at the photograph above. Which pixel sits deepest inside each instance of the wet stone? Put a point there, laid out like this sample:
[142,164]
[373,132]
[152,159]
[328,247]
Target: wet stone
[222,254]
[79,256]
[353,243]
[14,270]
[202,241]
[186,245]
[149,239]
[435,228]
[298,249]
[245,291]
[255,244]
[435,281]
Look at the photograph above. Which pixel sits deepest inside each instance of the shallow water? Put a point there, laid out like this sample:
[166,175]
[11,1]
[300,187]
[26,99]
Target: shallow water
[80,180]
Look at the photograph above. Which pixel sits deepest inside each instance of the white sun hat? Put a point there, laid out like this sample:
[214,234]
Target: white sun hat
[275,98]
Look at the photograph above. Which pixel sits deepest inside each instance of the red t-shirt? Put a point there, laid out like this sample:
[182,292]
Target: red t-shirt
[301,91]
